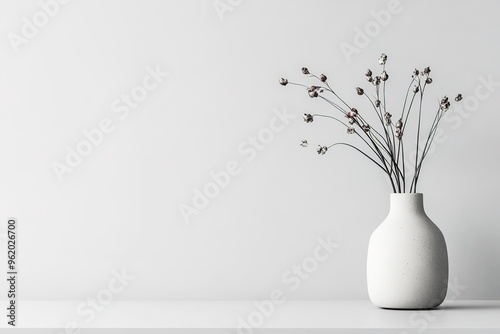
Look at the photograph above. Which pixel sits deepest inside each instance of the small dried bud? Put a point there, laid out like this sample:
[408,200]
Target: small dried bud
[428,81]
[304,143]
[384,76]
[387,118]
[427,70]
[416,89]
[368,73]
[377,103]
[350,130]
[351,114]
[365,127]
[445,104]
[370,79]
[383,59]
[458,98]
[322,77]
[305,70]
[415,73]
[322,149]
[376,82]
[308,118]
[360,90]
[399,134]
[313,91]
[399,124]
[283,82]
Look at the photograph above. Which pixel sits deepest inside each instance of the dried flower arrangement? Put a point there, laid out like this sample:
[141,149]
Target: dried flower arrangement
[385,147]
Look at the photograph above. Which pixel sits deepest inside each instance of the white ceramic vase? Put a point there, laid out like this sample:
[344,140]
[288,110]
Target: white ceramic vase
[407,258]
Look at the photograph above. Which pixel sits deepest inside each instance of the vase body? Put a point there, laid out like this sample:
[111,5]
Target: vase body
[407,265]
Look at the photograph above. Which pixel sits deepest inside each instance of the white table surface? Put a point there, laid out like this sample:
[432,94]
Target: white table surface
[292,314]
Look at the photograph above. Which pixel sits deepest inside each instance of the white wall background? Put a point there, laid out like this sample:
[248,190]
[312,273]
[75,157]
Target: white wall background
[120,207]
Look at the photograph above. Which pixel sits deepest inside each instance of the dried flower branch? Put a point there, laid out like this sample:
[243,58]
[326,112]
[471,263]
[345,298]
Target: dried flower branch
[386,144]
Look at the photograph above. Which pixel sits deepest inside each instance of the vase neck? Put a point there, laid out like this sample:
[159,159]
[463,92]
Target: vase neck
[412,202]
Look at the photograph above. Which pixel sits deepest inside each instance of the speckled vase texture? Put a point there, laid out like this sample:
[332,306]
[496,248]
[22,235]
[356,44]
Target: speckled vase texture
[407,264]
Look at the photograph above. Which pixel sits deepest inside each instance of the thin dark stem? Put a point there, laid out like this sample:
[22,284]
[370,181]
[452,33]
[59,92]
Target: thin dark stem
[380,118]
[297,84]
[338,97]
[388,146]
[360,151]
[406,97]
[403,161]
[430,139]
[336,106]
[367,156]
[328,116]
[385,110]
[401,141]
[418,136]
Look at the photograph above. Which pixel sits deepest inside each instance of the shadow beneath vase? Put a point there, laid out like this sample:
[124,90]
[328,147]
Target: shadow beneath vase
[476,306]
[469,307]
